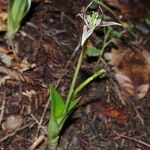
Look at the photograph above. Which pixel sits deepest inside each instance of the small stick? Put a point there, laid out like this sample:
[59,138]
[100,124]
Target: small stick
[137,113]
[133,139]
[38,123]
[43,114]
[3,107]
[37,142]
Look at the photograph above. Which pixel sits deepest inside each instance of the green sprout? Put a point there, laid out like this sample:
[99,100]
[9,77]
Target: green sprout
[60,109]
[59,114]
[16,12]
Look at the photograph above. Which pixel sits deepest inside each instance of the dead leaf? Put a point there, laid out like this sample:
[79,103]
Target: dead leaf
[17,75]
[132,69]
[24,65]
[106,111]
[3,17]
[3,14]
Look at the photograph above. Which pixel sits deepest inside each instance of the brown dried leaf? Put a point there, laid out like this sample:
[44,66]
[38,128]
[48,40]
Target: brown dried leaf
[17,75]
[132,69]
[106,110]
[24,65]
[3,14]
[3,17]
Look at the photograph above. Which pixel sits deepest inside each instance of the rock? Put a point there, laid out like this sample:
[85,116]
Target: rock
[12,123]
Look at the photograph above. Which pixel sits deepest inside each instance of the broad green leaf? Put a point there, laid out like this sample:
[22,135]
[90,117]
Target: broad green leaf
[93,52]
[19,8]
[58,107]
[57,103]
[55,124]
[71,106]
[53,132]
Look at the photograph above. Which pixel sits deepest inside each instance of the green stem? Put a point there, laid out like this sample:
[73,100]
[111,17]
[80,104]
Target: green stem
[107,8]
[70,94]
[53,144]
[100,73]
[105,44]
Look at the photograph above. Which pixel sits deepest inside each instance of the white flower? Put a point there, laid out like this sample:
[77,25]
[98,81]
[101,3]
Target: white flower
[92,21]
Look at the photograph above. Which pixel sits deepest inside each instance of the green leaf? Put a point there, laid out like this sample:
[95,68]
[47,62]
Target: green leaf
[16,12]
[57,117]
[57,103]
[147,19]
[73,104]
[93,52]
[53,131]
[117,34]
[101,73]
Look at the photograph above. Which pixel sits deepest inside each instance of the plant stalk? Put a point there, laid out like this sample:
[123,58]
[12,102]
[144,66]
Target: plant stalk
[100,73]
[105,43]
[70,94]
[53,144]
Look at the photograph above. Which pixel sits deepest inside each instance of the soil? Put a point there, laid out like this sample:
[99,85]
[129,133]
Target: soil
[105,118]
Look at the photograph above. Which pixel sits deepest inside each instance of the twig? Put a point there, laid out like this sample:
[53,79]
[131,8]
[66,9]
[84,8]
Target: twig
[37,142]
[69,19]
[43,114]
[137,112]
[3,107]
[38,123]
[133,139]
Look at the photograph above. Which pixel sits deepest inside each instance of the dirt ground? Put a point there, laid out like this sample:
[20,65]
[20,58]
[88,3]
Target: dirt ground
[106,118]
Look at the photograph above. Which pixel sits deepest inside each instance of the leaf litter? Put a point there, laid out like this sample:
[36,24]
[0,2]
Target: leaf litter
[94,128]
[132,69]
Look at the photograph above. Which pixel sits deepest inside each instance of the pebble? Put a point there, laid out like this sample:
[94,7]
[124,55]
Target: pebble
[12,123]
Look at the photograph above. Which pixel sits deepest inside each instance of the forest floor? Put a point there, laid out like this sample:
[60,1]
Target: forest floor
[47,50]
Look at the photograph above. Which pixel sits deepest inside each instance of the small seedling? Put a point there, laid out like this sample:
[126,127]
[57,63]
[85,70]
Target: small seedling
[60,110]
[59,113]
[16,12]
